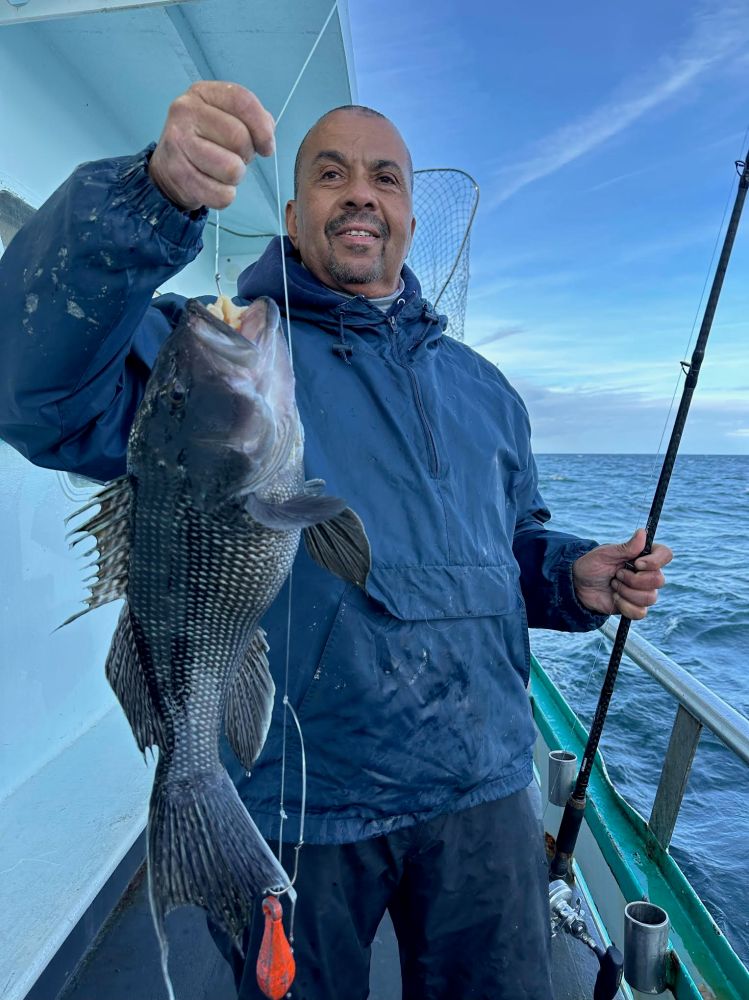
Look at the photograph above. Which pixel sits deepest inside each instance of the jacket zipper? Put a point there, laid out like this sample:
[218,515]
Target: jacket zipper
[434,466]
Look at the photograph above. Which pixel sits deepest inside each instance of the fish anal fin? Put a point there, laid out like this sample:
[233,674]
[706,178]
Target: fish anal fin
[250,703]
[125,674]
[341,546]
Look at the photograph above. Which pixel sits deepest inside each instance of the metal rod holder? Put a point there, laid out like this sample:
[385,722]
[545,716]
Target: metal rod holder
[562,775]
[646,929]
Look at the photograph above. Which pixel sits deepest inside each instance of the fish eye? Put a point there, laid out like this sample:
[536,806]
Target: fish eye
[177,392]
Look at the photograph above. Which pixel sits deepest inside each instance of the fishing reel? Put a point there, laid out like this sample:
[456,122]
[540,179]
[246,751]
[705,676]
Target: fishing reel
[570,919]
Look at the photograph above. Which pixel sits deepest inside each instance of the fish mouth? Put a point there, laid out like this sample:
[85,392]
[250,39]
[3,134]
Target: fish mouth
[232,345]
[248,360]
[243,326]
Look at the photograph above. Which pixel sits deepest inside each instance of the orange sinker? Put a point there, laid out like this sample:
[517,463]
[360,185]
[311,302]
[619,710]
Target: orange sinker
[275,960]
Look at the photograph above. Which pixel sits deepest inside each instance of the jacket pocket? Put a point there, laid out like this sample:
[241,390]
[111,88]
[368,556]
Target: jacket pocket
[407,709]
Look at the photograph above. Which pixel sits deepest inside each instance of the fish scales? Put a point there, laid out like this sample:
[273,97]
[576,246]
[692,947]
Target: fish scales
[199,538]
[198,586]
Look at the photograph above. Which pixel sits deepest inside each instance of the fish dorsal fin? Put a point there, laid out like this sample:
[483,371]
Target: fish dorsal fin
[250,703]
[341,546]
[309,507]
[110,530]
[125,673]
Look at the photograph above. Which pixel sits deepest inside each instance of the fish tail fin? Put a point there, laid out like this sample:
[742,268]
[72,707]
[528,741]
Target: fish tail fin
[205,850]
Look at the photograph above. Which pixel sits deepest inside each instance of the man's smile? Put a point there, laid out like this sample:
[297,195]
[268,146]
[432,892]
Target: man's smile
[357,237]
[356,233]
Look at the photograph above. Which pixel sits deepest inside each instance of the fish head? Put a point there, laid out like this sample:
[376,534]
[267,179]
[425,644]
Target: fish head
[219,412]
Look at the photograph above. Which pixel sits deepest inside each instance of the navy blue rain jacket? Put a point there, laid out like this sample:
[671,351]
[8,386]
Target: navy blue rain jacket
[412,694]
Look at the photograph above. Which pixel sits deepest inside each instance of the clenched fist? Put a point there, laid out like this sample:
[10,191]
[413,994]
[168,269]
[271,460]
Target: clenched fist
[212,132]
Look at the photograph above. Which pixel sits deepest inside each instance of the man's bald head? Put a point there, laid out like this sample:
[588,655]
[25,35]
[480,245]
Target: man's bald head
[355,109]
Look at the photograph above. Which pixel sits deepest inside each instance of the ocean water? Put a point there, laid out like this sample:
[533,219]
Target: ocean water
[701,620]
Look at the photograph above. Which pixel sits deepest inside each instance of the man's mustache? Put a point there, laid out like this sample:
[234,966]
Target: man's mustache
[350,220]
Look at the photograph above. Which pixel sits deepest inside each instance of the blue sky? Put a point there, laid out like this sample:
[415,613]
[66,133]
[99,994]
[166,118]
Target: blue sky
[602,137]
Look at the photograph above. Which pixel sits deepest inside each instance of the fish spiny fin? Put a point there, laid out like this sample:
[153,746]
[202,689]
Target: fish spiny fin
[341,546]
[205,850]
[109,529]
[250,703]
[125,673]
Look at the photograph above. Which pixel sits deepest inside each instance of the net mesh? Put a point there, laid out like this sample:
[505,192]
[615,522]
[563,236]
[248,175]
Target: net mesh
[445,202]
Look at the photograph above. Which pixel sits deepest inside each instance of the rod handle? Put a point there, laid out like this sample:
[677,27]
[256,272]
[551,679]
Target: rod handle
[569,828]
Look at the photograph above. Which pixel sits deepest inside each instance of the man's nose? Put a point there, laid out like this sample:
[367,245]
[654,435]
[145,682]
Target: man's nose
[360,193]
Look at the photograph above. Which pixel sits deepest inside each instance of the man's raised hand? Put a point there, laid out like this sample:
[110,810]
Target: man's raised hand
[211,133]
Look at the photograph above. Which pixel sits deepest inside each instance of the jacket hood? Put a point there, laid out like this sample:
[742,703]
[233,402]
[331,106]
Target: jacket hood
[419,325]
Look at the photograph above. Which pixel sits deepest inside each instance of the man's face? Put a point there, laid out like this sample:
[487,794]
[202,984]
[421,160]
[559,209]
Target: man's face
[352,219]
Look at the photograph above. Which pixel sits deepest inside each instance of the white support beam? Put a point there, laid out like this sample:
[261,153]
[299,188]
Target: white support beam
[45,10]
[186,45]
[198,67]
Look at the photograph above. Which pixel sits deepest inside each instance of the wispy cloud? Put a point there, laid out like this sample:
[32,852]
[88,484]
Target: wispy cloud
[583,357]
[499,334]
[606,421]
[719,31]
[610,181]
[529,279]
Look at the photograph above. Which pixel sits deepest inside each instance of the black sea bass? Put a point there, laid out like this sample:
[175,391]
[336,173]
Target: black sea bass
[198,537]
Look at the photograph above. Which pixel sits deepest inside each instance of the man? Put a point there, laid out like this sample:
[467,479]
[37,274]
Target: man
[412,693]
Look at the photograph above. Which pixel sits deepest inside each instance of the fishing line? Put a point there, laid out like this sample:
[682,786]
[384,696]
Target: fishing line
[643,503]
[281,113]
[575,808]
[235,232]
[303,810]
[306,62]
[287,707]
[217,269]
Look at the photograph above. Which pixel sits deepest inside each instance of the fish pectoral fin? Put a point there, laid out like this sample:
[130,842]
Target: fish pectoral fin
[125,674]
[250,703]
[341,546]
[300,511]
[314,487]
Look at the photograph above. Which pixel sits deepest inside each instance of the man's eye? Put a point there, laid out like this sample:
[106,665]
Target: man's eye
[388,178]
[330,175]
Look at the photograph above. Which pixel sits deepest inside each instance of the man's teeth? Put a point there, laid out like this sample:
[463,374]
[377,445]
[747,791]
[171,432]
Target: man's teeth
[357,232]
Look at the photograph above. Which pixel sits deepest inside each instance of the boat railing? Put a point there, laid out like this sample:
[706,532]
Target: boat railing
[699,707]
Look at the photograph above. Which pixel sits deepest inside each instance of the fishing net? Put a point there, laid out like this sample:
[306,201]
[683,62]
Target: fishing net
[445,202]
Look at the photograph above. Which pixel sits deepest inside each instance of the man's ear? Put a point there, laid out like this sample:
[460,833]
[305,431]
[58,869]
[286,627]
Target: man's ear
[411,238]
[291,222]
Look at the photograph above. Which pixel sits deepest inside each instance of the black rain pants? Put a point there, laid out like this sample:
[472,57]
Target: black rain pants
[468,896]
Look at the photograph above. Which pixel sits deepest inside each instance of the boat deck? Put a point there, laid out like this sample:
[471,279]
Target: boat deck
[124,959]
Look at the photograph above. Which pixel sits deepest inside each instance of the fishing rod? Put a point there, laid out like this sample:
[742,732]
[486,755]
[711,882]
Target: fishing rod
[574,809]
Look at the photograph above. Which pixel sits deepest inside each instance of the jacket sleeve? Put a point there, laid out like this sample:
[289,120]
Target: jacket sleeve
[545,557]
[78,329]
